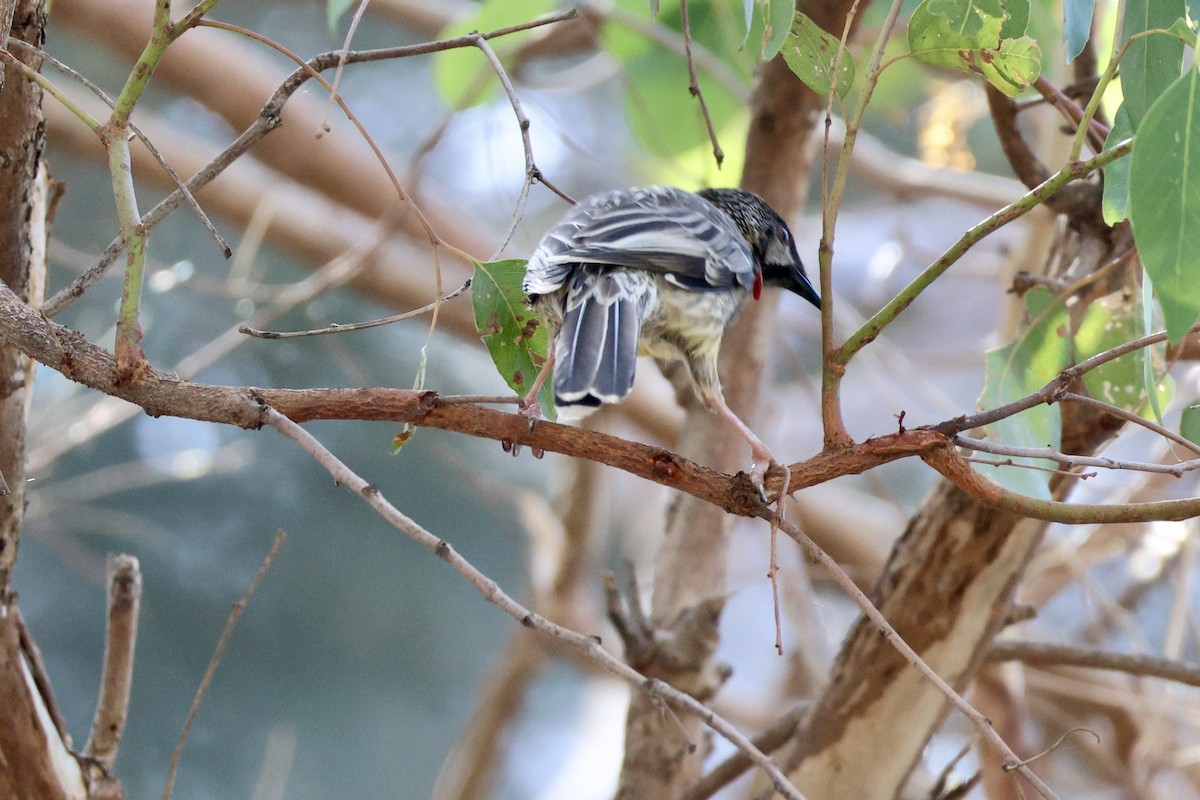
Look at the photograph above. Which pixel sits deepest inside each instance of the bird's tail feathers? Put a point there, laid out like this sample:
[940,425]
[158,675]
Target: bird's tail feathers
[597,344]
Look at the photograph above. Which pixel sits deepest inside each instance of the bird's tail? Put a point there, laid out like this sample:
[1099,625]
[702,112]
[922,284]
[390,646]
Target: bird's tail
[597,345]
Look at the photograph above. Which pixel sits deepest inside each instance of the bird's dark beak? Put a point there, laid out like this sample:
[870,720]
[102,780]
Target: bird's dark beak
[798,282]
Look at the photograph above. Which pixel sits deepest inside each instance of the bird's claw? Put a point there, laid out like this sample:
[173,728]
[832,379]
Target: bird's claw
[758,474]
[531,410]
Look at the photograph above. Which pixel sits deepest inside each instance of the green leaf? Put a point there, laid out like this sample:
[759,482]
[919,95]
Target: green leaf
[812,53]
[1182,31]
[969,36]
[1164,200]
[515,336]
[1018,19]
[462,74]
[1189,423]
[334,10]
[1111,321]
[1152,62]
[778,16]
[1040,352]
[1077,25]
[1115,203]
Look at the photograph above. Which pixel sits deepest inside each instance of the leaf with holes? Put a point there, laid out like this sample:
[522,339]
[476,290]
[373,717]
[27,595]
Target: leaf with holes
[977,36]
[813,54]
[778,16]
[1109,322]
[515,336]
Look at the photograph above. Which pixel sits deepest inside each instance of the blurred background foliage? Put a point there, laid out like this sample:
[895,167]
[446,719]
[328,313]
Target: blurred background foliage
[356,665]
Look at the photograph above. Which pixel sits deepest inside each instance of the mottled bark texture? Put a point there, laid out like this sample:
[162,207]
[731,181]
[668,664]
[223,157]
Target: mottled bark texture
[22,135]
[34,762]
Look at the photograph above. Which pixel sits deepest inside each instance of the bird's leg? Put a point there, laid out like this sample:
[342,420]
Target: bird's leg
[763,459]
[528,405]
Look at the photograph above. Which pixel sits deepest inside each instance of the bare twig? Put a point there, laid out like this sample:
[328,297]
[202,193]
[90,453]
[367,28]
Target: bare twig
[120,636]
[205,220]
[268,119]
[235,614]
[1129,416]
[1008,462]
[1055,389]
[1066,460]
[341,65]
[491,591]
[694,84]
[354,326]
[1047,653]
[731,768]
[532,173]
[1058,743]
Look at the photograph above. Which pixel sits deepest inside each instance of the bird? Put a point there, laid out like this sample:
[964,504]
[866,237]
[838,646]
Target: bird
[656,271]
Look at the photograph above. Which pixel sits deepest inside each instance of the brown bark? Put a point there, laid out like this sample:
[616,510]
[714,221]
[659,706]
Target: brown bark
[31,752]
[34,761]
[21,140]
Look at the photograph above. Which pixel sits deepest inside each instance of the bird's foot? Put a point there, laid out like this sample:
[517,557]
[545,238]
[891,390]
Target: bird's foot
[758,477]
[759,470]
[529,408]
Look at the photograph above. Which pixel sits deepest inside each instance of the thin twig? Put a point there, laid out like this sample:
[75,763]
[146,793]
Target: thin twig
[338,327]
[694,83]
[124,580]
[205,220]
[588,645]
[1058,743]
[336,83]
[269,119]
[1049,454]
[532,173]
[731,768]
[1129,416]
[1055,389]
[981,723]
[1097,131]
[1050,654]
[235,614]
[1008,462]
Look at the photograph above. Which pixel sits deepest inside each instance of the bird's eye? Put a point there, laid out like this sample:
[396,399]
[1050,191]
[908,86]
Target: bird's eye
[783,234]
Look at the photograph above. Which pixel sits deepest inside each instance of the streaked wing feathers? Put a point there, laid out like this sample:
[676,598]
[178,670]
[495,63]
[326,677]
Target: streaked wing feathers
[657,228]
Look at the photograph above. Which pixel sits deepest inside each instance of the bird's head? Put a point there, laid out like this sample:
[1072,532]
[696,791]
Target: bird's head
[769,238]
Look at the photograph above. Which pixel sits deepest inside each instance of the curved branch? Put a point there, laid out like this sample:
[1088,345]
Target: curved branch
[958,471]
[162,394]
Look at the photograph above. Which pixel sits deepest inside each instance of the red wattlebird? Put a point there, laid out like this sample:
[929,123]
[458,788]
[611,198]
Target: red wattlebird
[655,271]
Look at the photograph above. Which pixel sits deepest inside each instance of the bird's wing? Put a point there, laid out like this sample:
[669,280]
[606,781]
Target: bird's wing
[660,229]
